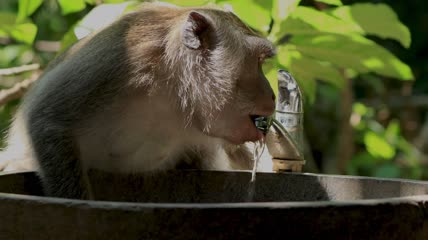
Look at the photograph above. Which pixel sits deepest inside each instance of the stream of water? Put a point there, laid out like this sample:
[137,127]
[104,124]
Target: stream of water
[259,147]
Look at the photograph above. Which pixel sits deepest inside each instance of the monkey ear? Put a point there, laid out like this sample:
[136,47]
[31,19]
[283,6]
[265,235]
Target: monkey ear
[194,27]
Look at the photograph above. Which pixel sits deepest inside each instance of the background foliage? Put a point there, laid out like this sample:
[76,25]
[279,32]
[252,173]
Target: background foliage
[365,108]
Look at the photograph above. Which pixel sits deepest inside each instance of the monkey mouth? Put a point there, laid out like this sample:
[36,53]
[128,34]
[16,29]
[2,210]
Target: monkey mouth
[261,122]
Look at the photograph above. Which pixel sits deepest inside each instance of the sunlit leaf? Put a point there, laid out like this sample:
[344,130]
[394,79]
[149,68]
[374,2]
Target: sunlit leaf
[24,32]
[20,31]
[392,132]
[27,7]
[188,3]
[320,70]
[270,69]
[7,19]
[116,1]
[387,171]
[324,22]
[331,2]
[309,21]
[99,17]
[356,52]
[378,146]
[68,6]
[256,13]
[10,53]
[281,9]
[359,108]
[68,39]
[376,19]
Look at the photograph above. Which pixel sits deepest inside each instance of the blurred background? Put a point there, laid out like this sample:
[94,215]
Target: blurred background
[362,66]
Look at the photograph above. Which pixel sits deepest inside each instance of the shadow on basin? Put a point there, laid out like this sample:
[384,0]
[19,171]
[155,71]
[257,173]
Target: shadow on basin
[213,205]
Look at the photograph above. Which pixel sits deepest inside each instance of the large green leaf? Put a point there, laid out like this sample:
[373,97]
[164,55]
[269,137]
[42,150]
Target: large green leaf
[68,39]
[256,13]
[68,6]
[319,70]
[27,7]
[186,3]
[331,2]
[378,146]
[20,31]
[11,53]
[354,52]
[116,1]
[281,9]
[7,19]
[392,132]
[376,19]
[270,69]
[24,32]
[309,21]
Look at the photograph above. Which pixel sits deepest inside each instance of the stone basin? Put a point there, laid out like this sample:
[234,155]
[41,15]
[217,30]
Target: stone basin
[217,205]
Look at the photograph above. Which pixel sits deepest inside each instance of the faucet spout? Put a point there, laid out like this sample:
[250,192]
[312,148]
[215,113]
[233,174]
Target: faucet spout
[285,136]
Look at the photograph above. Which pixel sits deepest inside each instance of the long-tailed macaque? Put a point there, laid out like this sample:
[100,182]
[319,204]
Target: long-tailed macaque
[160,86]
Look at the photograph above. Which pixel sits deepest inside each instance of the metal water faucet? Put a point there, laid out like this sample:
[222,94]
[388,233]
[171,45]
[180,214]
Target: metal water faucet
[284,130]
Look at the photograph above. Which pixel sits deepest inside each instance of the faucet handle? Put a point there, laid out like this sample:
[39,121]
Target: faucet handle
[285,137]
[289,94]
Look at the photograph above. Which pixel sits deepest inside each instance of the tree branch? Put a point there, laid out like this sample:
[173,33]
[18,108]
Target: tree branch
[20,69]
[345,135]
[18,90]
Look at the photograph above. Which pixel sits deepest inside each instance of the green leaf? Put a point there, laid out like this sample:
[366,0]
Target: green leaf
[376,19]
[68,39]
[27,7]
[24,32]
[73,6]
[319,70]
[20,31]
[6,21]
[324,22]
[270,69]
[309,21]
[372,19]
[359,108]
[355,52]
[11,53]
[378,146]
[331,2]
[281,9]
[392,132]
[256,13]
[114,1]
[188,3]
[99,17]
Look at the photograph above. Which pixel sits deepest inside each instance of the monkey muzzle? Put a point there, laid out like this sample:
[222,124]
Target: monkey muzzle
[262,123]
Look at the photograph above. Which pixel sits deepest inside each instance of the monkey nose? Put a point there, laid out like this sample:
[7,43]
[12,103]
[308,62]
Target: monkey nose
[265,108]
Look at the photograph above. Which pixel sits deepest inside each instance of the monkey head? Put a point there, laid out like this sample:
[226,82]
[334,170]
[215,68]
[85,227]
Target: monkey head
[218,61]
